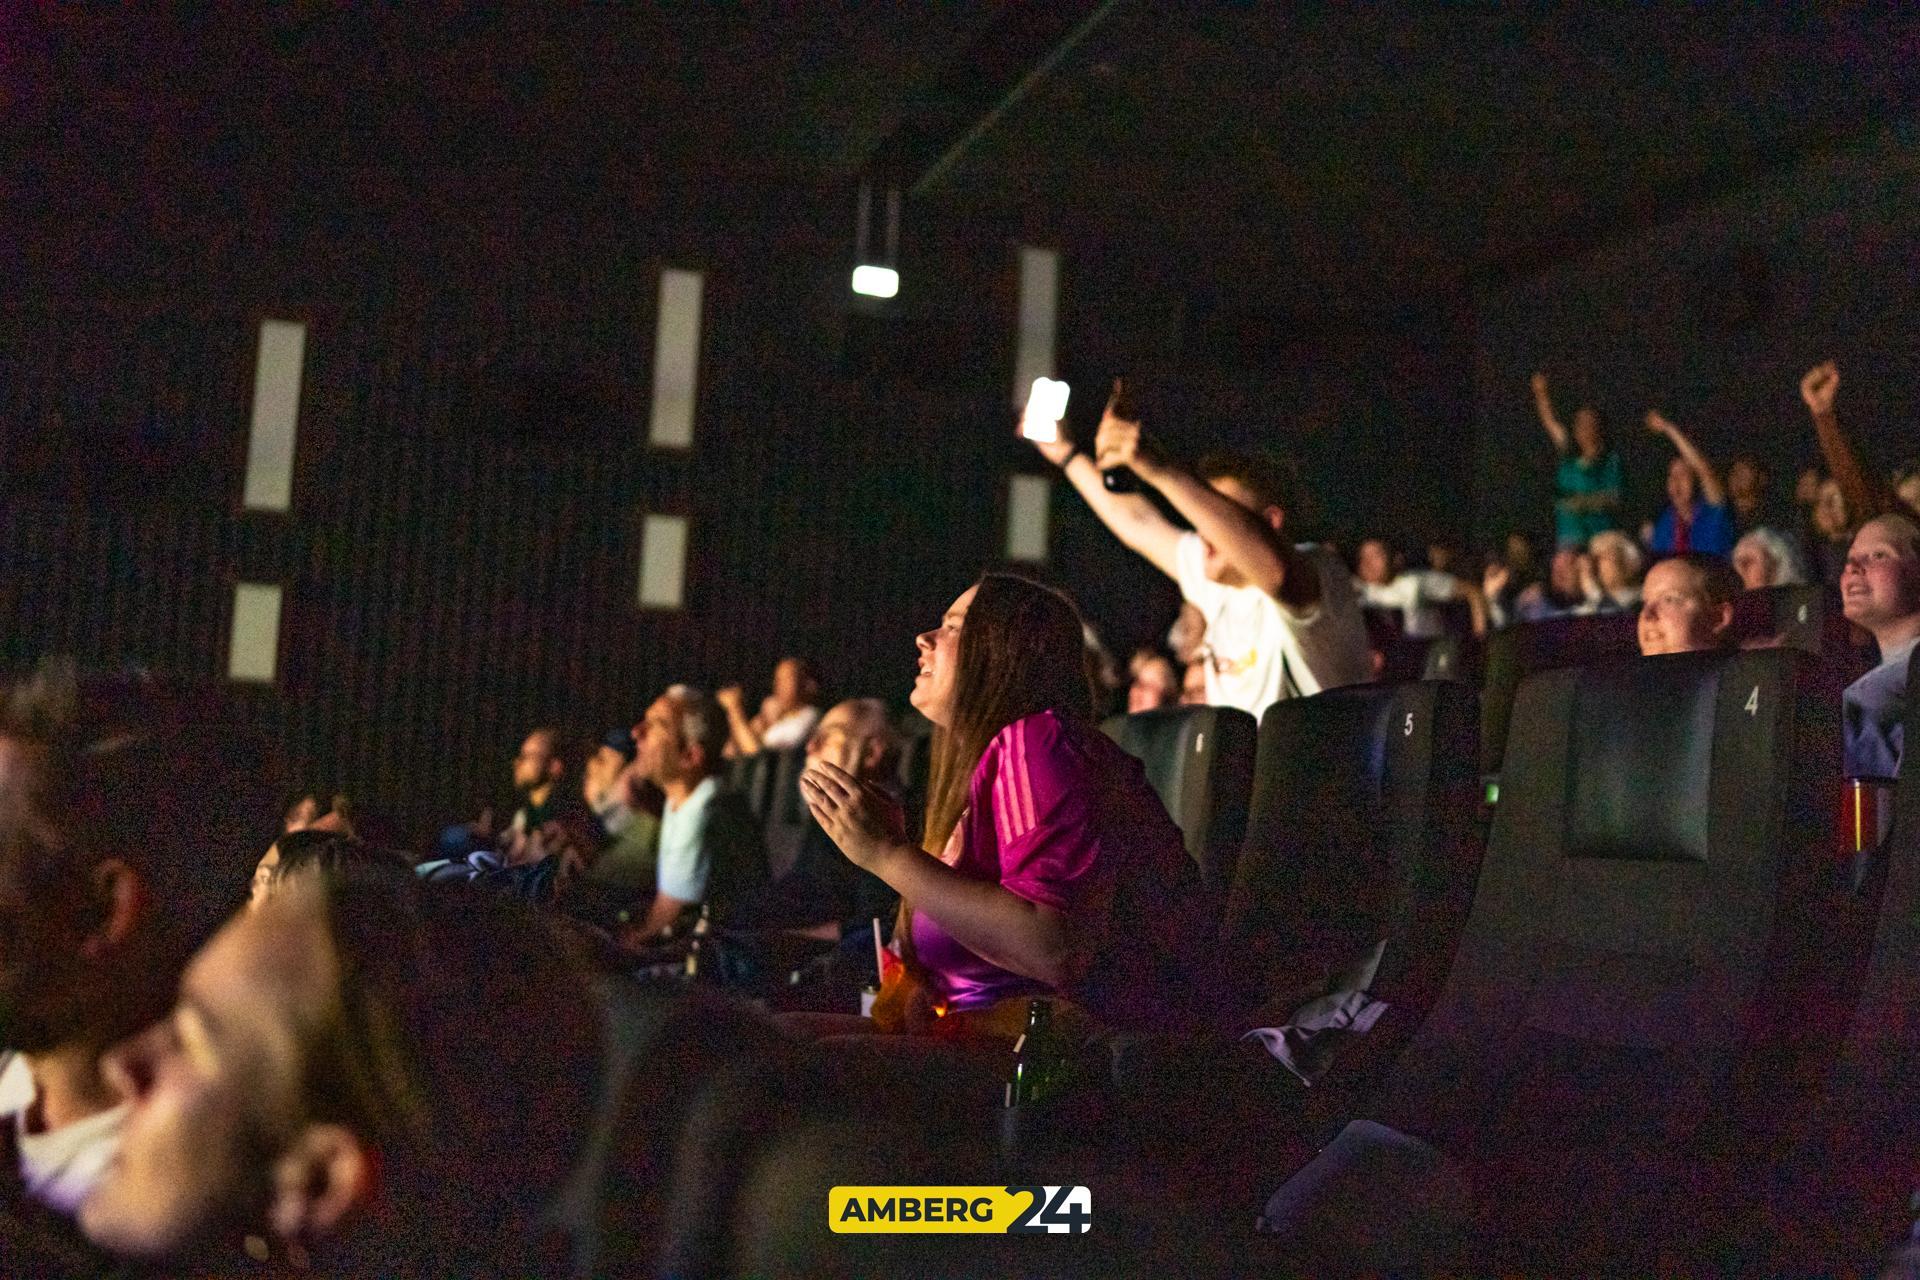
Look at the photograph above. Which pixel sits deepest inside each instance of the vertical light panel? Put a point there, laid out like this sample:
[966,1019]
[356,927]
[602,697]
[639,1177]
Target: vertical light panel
[663,562]
[277,370]
[1029,499]
[1039,315]
[676,359]
[254,652]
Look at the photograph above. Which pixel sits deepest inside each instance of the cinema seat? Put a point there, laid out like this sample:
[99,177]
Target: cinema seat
[1200,762]
[1654,930]
[1845,1196]
[1516,652]
[1361,848]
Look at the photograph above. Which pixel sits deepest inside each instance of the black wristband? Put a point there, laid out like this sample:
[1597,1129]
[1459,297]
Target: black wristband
[1067,461]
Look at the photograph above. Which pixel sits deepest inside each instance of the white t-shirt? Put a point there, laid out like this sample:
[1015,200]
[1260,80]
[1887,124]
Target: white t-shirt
[685,863]
[1414,593]
[790,730]
[1258,651]
[61,1166]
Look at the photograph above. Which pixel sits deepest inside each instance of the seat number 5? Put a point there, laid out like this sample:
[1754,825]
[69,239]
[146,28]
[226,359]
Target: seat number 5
[1753,702]
[1406,730]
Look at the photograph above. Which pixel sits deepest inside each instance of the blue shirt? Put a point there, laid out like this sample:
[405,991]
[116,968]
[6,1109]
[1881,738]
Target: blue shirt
[1710,530]
[1870,713]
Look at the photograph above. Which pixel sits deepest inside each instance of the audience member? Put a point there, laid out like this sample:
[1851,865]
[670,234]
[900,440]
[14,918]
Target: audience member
[1687,604]
[786,717]
[1193,685]
[128,821]
[822,888]
[626,809]
[1557,597]
[710,849]
[1610,575]
[1690,521]
[1049,864]
[1416,594]
[1749,502]
[377,1076]
[321,851]
[1155,683]
[1764,558]
[1587,483]
[1281,619]
[1880,592]
[1864,494]
[1906,485]
[1831,536]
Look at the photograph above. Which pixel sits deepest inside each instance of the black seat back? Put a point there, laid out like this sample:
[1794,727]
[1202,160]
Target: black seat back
[1801,617]
[1845,1196]
[1200,762]
[1516,652]
[1361,831]
[1643,951]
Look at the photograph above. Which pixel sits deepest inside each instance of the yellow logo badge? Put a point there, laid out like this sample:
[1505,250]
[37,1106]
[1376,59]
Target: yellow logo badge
[960,1210]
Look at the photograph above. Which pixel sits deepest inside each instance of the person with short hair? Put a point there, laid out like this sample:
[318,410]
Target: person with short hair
[1687,604]
[1765,558]
[1155,683]
[129,817]
[1416,595]
[372,1075]
[1281,618]
[1610,575]
[786,717]
[710,848]
[318,851]
[1880,592]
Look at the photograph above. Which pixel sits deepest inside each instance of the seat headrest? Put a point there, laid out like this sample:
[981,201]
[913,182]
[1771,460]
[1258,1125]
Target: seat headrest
[1641,759]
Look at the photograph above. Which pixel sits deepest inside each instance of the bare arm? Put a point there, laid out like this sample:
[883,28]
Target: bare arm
[1711,489]
[1866,496]
[1476,607]
[1131,517]
[1020,936]
[665,910]
[1239,535]
[1543,405]
[741,735]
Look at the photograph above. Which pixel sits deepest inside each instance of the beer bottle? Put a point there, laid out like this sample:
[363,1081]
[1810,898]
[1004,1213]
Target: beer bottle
[1036,1058]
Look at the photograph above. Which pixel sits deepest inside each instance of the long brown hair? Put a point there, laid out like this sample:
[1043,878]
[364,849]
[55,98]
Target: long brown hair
[1022,650]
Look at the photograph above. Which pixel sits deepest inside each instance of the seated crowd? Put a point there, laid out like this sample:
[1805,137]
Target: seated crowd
[388,1063]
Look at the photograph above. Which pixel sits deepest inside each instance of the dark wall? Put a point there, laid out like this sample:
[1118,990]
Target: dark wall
[461,559]
[1713,318]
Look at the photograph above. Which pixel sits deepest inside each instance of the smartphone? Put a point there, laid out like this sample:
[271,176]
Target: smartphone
[1046,405]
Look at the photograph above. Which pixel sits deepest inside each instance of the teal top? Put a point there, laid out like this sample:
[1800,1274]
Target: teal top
[1579,478]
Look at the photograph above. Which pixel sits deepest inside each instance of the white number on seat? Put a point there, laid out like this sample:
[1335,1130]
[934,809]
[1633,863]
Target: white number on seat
[1803,613]
[1407,732]
[1753,702]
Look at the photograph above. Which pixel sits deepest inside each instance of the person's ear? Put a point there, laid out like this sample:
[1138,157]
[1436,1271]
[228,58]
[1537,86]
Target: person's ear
[1276,518]
[122,903]
[1725,615]
[322,1177]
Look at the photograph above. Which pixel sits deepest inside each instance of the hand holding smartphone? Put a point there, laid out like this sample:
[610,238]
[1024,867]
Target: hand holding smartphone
[1046,406]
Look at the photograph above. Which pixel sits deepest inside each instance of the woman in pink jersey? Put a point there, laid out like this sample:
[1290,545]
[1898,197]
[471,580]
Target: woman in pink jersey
[1050,867]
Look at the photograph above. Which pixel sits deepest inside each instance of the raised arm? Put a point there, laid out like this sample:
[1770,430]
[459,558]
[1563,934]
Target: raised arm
[1543,405]
[1866,495]
[1240,536]
[1131,517]
[1711,489]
